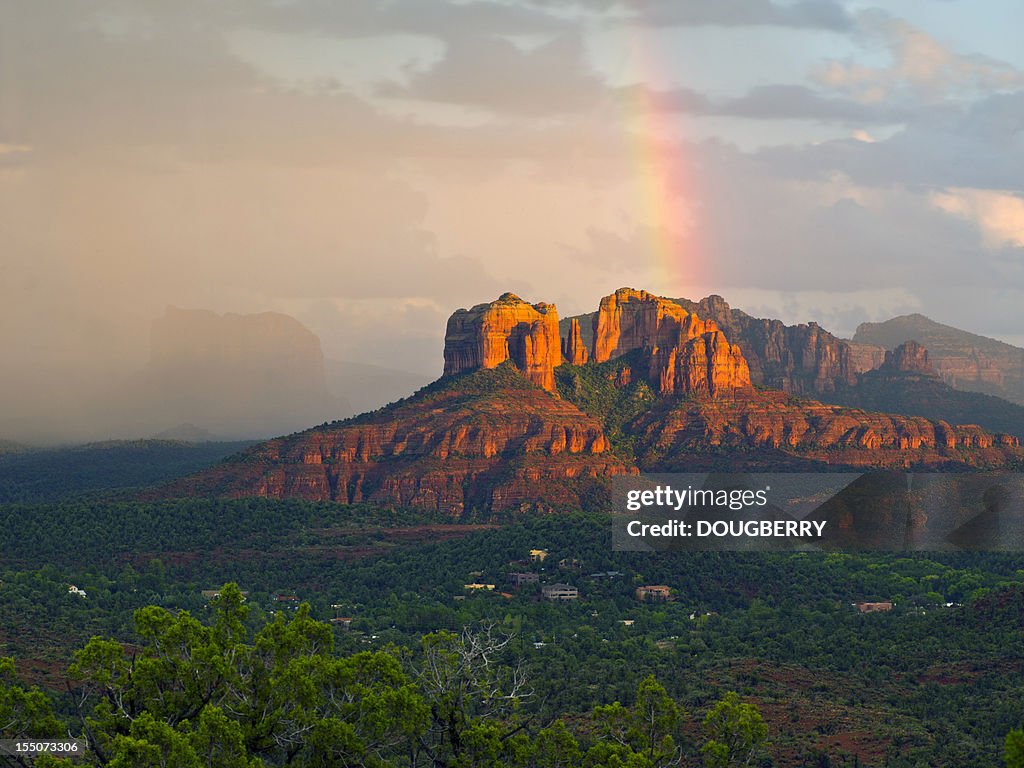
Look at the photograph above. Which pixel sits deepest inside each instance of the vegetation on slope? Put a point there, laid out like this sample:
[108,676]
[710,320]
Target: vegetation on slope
[613,392]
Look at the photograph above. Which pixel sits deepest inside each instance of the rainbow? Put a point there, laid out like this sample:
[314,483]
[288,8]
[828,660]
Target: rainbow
[664,177]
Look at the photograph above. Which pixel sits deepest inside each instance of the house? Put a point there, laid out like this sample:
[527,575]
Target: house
[475,586]
[873,607]
[559,592]
[538,555]
[605,575]
[73,590]
[345,622]
[519,578]
[655,592]
[570,563]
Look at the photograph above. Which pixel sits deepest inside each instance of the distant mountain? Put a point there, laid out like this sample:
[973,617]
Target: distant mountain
[9,446]
[663,390]
[908,383]
[964,360]
[237,375]
[186,433]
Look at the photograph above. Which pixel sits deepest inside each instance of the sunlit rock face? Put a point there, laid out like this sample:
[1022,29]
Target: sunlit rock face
[685,354]
[507,329]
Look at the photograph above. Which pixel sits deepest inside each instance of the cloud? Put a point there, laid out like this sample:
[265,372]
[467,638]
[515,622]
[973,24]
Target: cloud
[921,69]
[798,102]
[442,19]
[804,14]
[836,310]
[771,102]
[413,330]
[999,216]
[14,155]
[492,72]
[978,146]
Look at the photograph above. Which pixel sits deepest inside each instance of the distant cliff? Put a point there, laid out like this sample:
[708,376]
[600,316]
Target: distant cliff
[963,360]
[907,383]
[231,374]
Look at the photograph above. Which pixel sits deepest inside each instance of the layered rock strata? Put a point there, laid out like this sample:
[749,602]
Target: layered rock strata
[487,448]
[779,430]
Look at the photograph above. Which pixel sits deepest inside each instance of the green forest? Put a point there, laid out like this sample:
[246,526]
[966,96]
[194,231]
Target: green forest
[352,635]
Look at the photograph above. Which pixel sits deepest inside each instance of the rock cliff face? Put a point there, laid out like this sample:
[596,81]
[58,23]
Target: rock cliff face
[782,432]
[909,357]
[865,357]
[488,443]
[685,354]
[705,365]
[630,319]
[802,359]
[907,383]
[235,375]
[491,442]
[574,351]
[964,360]
[507,329]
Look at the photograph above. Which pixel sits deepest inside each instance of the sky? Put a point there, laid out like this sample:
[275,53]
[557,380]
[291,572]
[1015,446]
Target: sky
[370,166]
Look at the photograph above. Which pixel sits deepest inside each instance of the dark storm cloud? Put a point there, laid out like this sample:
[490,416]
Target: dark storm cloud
[492,72]
[979,146]
[798,102]
[441,19]
[805,14]
[770,102]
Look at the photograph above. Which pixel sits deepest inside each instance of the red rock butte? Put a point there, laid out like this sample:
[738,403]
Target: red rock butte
[685,355]
[507,329]
[908,357]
